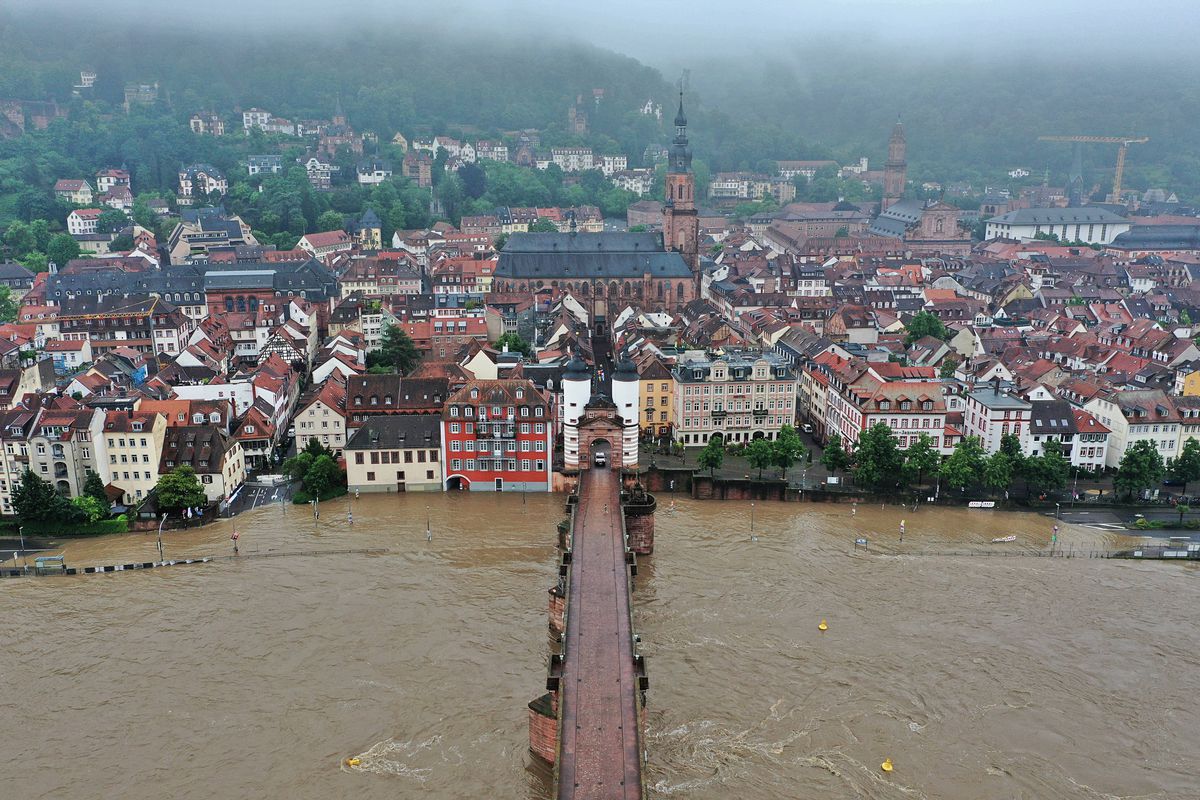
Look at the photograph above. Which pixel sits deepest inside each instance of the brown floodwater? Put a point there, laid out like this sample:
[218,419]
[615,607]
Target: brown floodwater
[980,676]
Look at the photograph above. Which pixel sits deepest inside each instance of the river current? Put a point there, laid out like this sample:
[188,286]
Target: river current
[981,676]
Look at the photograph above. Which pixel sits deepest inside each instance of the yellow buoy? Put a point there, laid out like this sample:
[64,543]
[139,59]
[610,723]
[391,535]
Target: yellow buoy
[822,626]
[887,765]
[353,762]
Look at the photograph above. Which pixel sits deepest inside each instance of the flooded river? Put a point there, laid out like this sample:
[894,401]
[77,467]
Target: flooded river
[980,677]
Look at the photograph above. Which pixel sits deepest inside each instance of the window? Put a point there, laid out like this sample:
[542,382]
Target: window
[539,427]
[370,476]
[540,446]
[537,412]
[358,458]
[455,464]
[454,427]
[455,446]
[454,411]
[428,474]
[524,427]
[471,464]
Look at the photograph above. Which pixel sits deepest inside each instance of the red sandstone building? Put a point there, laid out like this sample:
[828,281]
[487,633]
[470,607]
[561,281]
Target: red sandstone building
[497,436]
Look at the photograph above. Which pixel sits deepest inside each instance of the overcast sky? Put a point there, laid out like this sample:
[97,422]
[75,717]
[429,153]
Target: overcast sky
[668,32]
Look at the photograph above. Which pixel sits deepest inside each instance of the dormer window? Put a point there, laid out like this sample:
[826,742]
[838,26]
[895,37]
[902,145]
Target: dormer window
[137,426]
[884,405]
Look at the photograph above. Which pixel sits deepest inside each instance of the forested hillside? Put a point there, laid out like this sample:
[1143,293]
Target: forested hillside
[967,119]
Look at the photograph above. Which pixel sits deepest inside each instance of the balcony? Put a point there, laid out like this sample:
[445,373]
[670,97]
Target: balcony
[484,429]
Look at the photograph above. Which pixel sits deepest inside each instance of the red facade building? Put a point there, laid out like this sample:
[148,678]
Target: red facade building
[498,436]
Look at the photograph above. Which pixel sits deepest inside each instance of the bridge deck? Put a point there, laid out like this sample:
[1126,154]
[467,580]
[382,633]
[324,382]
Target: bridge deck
[599,753]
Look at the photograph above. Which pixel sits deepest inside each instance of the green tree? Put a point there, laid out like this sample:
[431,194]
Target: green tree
[62,248]
[759,455]
[121,244]
[1047,472]
[33,498]
[786,449]
[1185,468]
[964,467]
[1182,508]
[93,486]
[35,262]
[398,351]
[713,454]
[948,366]
[315,449]
[924,324]
[20,239]
[111,220]
[998,472]
[297,466]
[1141,468]
[89,508]
[330,221]
[323,476]
[8,306]
[179,489]
[835,457]
[877,458]
[514,342]
[920,459]
[543,225]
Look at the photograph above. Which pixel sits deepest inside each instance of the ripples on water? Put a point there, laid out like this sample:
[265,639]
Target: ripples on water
[980,677]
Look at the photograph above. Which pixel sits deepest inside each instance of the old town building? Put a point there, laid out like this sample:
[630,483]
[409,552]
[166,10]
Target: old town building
[396,454]
[497,436]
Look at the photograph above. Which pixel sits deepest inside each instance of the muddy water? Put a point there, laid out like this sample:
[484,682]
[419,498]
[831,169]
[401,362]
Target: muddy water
[981,677]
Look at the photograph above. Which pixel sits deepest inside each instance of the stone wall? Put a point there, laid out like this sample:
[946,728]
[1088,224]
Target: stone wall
[543,727]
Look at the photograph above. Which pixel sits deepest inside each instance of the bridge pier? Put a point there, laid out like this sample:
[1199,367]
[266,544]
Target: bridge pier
[638,507]
[543,727]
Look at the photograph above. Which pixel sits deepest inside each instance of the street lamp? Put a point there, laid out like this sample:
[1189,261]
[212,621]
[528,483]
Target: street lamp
[1075,487]
[428,527]
[21,531]
[1058,510]
[160,547]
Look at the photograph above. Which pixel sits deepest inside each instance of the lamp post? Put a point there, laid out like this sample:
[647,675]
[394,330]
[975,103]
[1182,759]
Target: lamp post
[1075,487]
[428,526]
[25,565]
[160,547]
[753,535]
[1058,510]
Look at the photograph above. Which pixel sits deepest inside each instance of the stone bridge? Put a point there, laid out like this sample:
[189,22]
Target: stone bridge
[590,723]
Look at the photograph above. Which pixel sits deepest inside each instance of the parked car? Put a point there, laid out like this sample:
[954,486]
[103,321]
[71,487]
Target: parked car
[807,428]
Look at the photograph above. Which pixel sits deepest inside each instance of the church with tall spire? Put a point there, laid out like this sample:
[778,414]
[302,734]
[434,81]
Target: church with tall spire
[681,223]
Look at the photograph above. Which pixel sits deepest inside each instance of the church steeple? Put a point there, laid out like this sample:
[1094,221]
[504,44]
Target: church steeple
[681,155]
[681,228]
[895,169]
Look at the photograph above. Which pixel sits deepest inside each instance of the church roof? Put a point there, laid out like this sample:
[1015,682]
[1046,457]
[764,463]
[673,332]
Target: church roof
[589,255]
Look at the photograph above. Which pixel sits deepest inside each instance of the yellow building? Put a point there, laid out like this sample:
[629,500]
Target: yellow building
[1188,383]
[656,396]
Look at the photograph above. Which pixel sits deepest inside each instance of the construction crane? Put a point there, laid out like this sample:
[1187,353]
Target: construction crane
[1122,141]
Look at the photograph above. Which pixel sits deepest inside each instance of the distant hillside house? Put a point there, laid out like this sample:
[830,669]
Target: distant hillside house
[73,191]
[207,123]
[200,180]
[268,163]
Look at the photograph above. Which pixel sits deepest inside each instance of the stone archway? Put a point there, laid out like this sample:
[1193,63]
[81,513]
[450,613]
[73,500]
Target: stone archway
[457,483]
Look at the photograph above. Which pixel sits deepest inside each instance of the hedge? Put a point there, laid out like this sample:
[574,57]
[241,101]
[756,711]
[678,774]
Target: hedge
[301,496]
[55,528]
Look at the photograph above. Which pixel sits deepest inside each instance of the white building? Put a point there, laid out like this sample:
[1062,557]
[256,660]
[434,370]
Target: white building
[613,164]
[1089,225]
[573,159]
[82,221]
[992,412]
[255,118]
